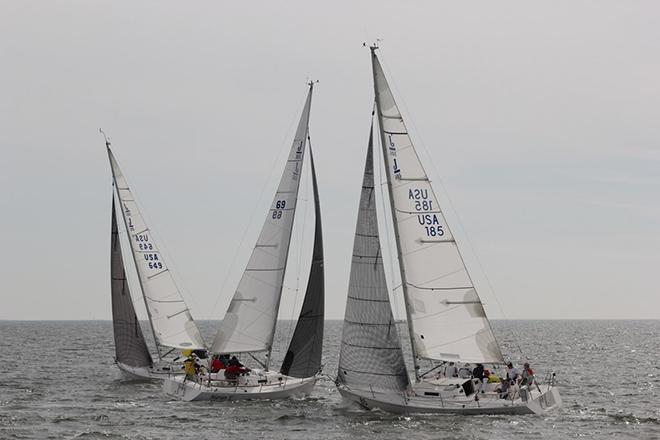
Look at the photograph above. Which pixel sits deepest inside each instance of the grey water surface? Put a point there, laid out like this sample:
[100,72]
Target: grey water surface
[59,381]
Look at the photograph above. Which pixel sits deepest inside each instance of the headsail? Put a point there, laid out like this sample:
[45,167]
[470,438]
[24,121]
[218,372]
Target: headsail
[169,316]
[130,346]
[303,358]
[447,318]
[371,354]
[249,324]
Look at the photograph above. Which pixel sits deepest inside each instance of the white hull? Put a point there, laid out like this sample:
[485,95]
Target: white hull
[157,372]
[258,385]
[539,402]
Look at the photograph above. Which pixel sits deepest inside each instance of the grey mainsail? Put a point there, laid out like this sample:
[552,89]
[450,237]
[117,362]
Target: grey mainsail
[130,346]
[371,354]
[303,358]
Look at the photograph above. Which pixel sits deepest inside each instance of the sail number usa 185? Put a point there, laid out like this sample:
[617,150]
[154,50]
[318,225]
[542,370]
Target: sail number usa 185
[428,220]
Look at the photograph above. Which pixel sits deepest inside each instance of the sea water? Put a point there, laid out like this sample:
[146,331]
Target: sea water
[58,381]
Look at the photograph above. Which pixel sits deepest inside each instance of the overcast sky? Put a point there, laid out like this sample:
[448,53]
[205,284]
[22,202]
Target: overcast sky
[541,119]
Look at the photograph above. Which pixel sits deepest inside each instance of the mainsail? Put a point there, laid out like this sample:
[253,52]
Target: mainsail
[446,317]
[130,346]
[249,324]
[170,318]
[303,358]
[371,354]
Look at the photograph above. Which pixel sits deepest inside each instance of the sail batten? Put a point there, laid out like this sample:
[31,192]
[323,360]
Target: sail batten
[250,326]
[370,357]
[171,326]
[435,278]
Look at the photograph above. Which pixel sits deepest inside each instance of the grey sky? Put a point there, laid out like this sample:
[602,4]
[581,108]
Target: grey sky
[541,119]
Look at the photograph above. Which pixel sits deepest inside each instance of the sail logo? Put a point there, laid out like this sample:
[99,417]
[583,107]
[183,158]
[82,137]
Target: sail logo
[392,146]
[395,166]
[127,212]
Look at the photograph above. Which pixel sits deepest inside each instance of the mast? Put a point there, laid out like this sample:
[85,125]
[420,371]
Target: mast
[286,258]
[114,184]
[404,284]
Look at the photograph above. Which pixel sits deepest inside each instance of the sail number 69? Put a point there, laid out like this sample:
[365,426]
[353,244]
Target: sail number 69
[279,206]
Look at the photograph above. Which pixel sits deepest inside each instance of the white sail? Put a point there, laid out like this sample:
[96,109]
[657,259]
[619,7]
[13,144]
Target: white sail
[170,318]
[249,324]
[447,318]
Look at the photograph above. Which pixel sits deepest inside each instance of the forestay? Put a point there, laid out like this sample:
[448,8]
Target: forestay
[130,346]
[303,358]
[170,318]
[249,324]
[447,317]
[370,355]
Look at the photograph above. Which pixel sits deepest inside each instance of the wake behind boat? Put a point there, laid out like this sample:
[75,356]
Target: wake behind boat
[446,320]
[169,318]
[249,323]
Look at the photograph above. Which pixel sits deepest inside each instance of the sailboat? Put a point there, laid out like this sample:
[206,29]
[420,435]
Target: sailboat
[249,324]
[169,317]
[445,316]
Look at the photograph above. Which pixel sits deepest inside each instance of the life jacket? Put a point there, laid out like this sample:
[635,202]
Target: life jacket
[189,367]
[493,379]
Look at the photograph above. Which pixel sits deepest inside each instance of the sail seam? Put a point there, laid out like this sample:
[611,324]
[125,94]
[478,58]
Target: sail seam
[156,274]
[440,288]
[247,269]
[370,347]
[374,373]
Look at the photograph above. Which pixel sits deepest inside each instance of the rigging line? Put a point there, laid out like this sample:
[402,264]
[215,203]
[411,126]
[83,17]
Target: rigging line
[400,99]
[267,184]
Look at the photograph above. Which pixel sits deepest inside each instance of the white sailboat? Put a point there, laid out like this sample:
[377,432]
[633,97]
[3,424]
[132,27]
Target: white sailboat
[249,324]
[170,320]
[445,316]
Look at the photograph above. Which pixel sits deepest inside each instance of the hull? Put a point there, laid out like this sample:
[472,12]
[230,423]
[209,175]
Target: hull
[536,402]
[262,385]
[157,372]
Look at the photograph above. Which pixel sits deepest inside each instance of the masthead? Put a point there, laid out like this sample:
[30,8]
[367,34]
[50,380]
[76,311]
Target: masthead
[107,139]
[372,46]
